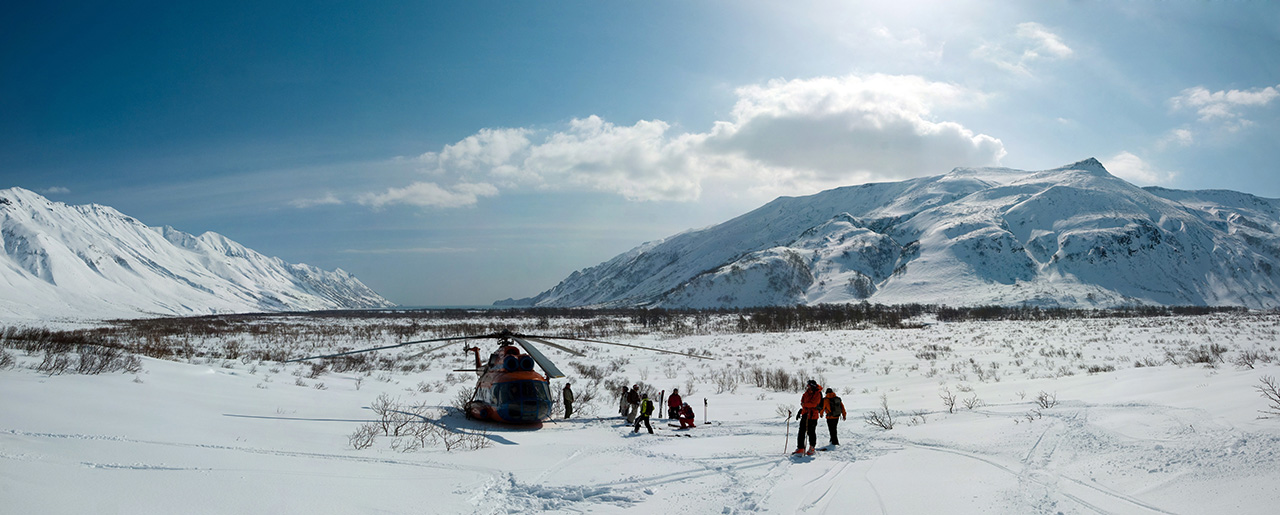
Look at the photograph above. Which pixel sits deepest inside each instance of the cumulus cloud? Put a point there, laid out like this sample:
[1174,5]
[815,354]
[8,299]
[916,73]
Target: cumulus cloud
[1132,168]
[1031,42]
[832,126]
[1225,109]
[784,134]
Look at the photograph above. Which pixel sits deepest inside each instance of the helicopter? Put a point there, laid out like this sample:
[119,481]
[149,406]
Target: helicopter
[509,390]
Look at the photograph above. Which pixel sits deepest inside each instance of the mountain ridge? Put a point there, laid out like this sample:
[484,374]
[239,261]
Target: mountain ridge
[78,261]
[1071,236]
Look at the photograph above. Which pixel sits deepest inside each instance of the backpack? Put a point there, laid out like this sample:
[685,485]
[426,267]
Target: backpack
[834,406]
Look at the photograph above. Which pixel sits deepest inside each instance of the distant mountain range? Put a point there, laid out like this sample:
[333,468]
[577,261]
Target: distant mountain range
[92,261]
[1074,236]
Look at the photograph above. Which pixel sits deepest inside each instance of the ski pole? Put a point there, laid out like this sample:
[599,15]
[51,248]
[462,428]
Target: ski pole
[786,435]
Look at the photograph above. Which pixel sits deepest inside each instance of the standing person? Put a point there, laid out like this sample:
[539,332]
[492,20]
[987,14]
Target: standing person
[673,403]
[810,411]
[622,402]
[834,408]
[646,409]
[686,416]
[568,401]
[633,403]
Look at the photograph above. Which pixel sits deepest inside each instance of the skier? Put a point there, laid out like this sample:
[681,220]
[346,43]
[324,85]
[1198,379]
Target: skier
[810,411]
[568,401]
[673,404]
[633,403]
[686,416]
[646,409]
[834,408]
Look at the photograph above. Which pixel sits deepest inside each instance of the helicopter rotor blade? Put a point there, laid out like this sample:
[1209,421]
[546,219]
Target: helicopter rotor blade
[634,347]
[451,340]
[554,345]
[539,358]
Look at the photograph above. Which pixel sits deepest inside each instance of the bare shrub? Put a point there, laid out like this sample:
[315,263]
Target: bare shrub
[382,406]
[726,380]
[948,399]
[973,402]
[364,436]
[6,360]
[1210,354]
[1270,390]
[1248,359]
[881,418]
[318,368]
[1046,400]
[1095,368]
[462,397]
[54,363]
[918,418]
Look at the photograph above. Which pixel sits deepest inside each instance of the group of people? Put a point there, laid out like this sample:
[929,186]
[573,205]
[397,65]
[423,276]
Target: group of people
[637,407]
[813,405]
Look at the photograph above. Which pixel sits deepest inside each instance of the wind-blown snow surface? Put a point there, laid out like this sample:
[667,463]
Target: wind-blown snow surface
[92,261]
[1074,236]
[226,437]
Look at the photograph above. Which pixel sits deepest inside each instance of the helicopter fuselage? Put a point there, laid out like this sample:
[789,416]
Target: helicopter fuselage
[510,391]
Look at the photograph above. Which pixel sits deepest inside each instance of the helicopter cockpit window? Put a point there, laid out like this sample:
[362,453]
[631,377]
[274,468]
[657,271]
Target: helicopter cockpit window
[517,391]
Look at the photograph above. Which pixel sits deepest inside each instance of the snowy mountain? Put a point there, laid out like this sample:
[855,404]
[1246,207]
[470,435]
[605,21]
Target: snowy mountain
[1074,236]
[92,261]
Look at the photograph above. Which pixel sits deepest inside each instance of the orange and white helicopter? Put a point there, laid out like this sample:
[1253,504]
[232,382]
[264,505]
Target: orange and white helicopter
[509,390]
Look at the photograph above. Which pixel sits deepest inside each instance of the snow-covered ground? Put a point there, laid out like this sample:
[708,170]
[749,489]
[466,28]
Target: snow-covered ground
[226,436]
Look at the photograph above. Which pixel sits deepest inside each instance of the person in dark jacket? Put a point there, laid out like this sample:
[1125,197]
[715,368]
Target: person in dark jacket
[568,401]
[633,404]
[673,404]
[810,411]
[646,409]
[834,408]
[622,402]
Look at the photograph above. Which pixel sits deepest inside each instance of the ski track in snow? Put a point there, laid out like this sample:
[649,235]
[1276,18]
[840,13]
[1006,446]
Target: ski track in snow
[252,450]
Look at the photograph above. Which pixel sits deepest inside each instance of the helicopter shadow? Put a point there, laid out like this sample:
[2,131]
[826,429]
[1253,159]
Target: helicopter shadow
[299,419]
[455,421]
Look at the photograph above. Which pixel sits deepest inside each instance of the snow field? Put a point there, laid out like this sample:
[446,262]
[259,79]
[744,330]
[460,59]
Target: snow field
[210,435]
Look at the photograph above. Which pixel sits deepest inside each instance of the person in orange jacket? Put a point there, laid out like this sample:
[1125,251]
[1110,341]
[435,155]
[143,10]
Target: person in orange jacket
[834,408]
[810,412]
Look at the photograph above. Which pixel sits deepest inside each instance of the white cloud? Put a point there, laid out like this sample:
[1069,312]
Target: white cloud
[328,200]
[802,134]
[1179,137]
[1031,42]
[428,194]
[1132,168]
[55,190]
[415,250]
[908,44]
[830,127]
[1225,109]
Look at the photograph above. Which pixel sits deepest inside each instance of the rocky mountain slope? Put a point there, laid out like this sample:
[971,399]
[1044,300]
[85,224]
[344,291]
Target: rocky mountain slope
[84,261]
[1073,236]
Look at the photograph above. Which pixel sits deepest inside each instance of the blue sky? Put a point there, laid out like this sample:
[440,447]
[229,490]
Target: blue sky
[465,152]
